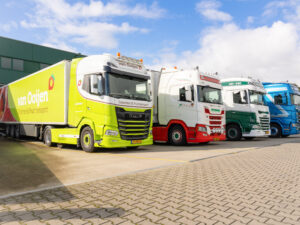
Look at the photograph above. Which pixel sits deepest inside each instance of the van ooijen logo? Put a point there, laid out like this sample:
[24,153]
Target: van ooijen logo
[51,82]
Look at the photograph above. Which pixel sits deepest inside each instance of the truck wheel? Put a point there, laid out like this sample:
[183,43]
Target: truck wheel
[48,137]
[233,132]
[275,130]
[87,140]
[177,135]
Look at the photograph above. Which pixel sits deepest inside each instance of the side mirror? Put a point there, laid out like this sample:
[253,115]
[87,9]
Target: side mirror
[100,85]
[188,93]
[97,87]
[94,84]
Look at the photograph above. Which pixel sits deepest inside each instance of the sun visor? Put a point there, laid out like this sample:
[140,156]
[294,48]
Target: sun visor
[125,73]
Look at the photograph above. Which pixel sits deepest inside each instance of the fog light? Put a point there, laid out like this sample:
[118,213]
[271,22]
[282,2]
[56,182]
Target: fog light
[202,129]
[111,133]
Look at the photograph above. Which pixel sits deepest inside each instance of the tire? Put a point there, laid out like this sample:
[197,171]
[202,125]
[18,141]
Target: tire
[47,137]
[275,130]
[177,135]
[249,138]
[233,132]
[87,140]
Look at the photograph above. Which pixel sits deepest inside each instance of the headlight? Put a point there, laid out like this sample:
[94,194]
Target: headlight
[255,127]
[202,129]
[111,133]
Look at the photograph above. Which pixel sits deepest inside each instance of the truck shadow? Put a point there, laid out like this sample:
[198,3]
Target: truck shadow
[63,214]
[211,146]
[21,171]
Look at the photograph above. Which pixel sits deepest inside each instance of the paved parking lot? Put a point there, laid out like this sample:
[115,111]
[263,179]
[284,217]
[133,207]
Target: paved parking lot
[29,165]
[245,182]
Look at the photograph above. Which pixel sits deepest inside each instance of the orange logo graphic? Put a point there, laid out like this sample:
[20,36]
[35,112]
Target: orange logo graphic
[51,82]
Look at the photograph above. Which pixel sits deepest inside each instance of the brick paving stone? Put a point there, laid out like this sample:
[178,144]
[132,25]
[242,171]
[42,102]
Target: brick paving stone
[12,223]
[34,223]
[166,221]
[255,187]
[55,222]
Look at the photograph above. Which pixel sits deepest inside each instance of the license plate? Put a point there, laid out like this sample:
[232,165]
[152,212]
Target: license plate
[216,130]
[216,139]
[136,142]
[267,132]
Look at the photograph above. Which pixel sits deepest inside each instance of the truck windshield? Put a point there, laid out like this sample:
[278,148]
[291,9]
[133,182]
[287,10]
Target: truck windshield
[120,86]
[295,99]
[209,94]
[256,97]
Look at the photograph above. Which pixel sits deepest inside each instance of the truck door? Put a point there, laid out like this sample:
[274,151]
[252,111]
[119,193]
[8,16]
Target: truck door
[94,109]
[241,110]
[186,105]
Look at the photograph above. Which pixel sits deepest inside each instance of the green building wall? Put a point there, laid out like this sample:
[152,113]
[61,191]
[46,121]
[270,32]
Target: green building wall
[26,58]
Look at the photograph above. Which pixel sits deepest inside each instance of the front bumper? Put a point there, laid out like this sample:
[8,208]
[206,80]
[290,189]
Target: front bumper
[200,137]
[257,133]
[117,142]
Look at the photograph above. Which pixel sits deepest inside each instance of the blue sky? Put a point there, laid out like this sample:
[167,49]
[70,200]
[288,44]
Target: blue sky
[257,38]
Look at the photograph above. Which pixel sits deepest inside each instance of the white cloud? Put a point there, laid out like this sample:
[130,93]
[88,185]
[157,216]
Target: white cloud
[210,10]
[86,23]
[60,45]
[268,53]
[289,10]
[250,19]
[7,27]
[95,8]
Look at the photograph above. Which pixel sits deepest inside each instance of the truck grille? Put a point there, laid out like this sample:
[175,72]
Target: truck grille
[265,123]
[133,125]
[215,120]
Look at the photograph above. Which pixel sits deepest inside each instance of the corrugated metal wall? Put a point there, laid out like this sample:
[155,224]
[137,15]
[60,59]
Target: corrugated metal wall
[34,58]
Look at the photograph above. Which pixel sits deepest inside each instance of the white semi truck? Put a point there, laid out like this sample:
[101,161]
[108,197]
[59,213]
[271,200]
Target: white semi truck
[188,107]
[246,113]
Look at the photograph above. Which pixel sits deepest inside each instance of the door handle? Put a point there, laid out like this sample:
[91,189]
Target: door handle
[88,108]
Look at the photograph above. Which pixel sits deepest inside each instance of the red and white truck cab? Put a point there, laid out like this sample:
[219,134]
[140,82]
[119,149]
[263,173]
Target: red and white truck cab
[188,107]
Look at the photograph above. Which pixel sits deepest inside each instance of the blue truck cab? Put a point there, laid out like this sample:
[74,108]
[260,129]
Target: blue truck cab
[283,100]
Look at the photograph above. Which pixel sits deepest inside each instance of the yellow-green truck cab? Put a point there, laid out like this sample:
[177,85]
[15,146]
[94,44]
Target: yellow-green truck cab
[96,101]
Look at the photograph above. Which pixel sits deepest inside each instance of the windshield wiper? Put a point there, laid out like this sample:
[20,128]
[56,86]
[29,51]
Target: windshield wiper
[117,95]
[141,98]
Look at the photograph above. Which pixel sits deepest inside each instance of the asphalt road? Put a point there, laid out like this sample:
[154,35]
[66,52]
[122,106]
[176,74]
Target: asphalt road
[29,165]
